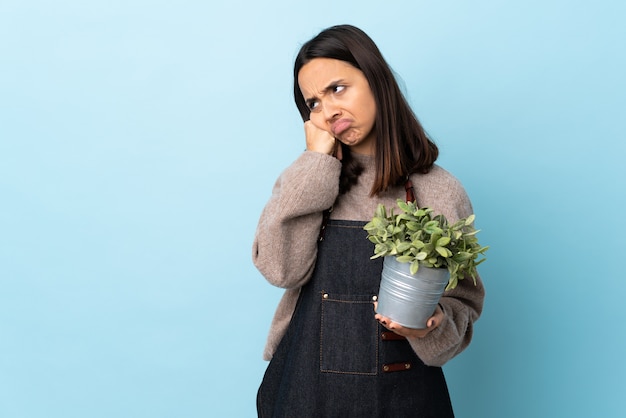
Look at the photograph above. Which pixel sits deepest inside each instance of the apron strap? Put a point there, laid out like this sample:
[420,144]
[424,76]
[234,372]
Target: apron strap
[410,191]
[325,218]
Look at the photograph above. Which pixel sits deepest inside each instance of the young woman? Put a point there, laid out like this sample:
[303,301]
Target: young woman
[331,354]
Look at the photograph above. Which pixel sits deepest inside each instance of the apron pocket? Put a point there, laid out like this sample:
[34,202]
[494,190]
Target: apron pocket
[348,336]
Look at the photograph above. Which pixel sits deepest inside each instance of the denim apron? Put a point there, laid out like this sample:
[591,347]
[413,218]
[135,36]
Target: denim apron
[335,360]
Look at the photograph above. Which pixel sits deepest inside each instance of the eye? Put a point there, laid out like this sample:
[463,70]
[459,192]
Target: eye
[338,89]
[312,104]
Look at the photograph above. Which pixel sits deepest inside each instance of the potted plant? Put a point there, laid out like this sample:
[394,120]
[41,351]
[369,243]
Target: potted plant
[423,256]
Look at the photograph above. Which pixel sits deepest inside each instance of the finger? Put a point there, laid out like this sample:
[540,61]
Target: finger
[433,322]
[383,318]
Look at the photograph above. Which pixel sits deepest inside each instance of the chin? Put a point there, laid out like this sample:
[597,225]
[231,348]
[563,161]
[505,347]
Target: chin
[350,141]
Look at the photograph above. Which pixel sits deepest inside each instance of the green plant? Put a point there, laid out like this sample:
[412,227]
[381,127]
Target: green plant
[416,236]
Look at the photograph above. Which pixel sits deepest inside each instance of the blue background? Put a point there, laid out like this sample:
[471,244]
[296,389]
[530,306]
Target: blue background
[139,141]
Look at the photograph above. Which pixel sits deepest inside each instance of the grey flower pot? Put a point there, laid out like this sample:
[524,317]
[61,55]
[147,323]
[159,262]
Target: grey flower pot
[410,299]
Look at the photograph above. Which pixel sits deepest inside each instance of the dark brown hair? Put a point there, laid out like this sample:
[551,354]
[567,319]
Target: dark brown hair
[402,145]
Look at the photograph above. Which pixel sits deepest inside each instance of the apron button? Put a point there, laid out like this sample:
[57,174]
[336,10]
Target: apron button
[325,296]
[374,298]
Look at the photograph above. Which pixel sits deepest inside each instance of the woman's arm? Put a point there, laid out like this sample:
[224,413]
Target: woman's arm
[463,305]
[461,308]
[285,243]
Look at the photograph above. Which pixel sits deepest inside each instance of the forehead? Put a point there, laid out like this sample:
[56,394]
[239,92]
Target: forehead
[316,75]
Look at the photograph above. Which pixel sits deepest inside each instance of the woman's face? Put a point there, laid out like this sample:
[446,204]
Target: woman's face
[341,102]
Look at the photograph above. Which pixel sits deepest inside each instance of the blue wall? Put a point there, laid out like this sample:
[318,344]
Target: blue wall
[140,140]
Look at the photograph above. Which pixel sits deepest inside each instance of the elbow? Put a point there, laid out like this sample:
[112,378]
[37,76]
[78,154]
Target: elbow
[287,278]
[280,272]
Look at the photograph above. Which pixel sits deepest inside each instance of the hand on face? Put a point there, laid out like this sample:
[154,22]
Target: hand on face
[319,140]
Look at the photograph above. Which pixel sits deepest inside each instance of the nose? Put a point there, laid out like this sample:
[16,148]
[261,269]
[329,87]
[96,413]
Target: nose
[331,110]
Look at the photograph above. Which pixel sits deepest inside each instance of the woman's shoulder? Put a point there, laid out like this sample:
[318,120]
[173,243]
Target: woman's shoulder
[436,177]
[442,191]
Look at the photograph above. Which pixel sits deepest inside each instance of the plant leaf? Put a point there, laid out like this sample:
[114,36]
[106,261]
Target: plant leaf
[443,241]
[403,246]
[403,205]
[418,244]
[444,252]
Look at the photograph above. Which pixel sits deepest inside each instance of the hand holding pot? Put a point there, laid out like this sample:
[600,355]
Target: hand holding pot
[432,323]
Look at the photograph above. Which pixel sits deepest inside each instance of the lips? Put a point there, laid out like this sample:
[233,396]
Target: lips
[340,126]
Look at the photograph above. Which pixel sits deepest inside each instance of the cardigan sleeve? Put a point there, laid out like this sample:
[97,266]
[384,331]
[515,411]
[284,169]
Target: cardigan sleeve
[285,243]
[462,305]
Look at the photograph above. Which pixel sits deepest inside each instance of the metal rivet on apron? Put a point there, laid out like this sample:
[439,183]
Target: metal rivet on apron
[386,368]
[407,366]
[374,298]
[325,295]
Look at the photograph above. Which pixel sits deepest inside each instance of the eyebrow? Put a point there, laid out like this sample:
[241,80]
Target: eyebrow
[329,87]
